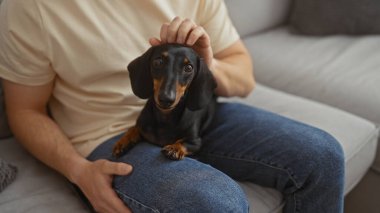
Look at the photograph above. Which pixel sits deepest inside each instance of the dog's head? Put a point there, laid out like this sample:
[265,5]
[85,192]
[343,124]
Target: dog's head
[170,72]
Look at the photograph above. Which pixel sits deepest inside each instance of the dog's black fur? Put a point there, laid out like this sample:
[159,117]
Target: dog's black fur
[181,101]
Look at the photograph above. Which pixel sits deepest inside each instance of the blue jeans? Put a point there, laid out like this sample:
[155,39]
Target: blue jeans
[244,143]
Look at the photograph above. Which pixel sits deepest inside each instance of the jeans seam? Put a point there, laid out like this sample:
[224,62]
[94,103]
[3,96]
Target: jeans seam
[137,202]
[287,170]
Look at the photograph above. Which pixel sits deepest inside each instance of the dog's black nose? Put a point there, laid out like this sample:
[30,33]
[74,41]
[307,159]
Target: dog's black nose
[166,99]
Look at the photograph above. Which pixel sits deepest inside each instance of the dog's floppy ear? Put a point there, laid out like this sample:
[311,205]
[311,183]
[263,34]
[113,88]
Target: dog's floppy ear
[139,73]
[201,89]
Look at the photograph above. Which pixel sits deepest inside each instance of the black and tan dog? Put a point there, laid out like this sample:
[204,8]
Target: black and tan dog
[181,102]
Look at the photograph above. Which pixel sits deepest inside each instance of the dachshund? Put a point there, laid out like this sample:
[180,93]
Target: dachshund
[181,101]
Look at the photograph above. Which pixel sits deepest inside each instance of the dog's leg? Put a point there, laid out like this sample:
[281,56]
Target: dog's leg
[181,148]
[127,141]
[193,145]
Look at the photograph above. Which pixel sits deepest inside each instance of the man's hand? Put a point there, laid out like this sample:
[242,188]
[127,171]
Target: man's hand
[186,32]
[95,181]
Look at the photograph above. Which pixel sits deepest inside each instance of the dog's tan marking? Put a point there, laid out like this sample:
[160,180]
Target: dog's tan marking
[131,137]
[165,54]
[156,88]
[157,84]
[180,90]
[186,60]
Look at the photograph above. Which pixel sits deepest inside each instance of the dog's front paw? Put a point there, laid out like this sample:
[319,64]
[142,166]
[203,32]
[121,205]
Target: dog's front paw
[175,151]
[118,149]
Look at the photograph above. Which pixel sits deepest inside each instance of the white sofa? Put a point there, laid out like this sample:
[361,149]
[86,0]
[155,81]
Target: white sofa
[330,82]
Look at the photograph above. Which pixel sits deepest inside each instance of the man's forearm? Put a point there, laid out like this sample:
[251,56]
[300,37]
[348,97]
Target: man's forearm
[231,83]
[41,136]
[233,71]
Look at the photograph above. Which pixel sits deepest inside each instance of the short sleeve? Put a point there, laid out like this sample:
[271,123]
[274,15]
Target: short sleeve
[23,44]
[216,21]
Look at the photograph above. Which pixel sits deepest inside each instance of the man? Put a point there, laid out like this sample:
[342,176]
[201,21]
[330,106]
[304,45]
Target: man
[72,55]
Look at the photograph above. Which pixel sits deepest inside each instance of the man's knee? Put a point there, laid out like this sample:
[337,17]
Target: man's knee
[217,194]
[324,159]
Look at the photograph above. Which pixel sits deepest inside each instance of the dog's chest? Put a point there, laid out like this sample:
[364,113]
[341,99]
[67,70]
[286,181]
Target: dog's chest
[167,129]
[161,135]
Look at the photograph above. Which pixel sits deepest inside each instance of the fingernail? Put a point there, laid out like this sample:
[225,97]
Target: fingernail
[128,168]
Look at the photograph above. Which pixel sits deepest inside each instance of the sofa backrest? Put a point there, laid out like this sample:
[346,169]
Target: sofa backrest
[253,16]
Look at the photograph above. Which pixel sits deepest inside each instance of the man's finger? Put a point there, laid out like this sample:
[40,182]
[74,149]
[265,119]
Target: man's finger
[164,33]
[154,41]
[173,30]
[195,34]
[184,29]
[113,168]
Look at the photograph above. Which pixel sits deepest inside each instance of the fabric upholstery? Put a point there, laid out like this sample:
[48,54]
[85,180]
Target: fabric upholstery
[253,16]
[7,174]
[326,17]
[37,188]
[340,71]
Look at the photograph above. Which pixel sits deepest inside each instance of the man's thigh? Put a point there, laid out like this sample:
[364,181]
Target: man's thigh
[250,144]
[160,184]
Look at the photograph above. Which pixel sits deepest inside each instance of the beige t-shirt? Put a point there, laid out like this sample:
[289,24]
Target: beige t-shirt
[84,46]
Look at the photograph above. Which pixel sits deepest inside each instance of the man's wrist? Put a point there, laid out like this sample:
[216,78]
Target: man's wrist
[74,168]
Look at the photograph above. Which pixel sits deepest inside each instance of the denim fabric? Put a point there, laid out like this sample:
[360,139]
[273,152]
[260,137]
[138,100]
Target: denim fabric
[243,143]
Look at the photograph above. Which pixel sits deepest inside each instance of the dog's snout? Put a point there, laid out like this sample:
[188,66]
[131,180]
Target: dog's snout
[166,99]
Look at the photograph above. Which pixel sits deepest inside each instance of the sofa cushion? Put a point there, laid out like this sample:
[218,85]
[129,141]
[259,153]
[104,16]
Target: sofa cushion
[325,17]
[37,188]
[42,190]
[340,71]
[254,16]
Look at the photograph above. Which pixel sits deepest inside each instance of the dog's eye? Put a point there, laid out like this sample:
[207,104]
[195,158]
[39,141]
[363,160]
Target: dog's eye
[188,68]
[157,63]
